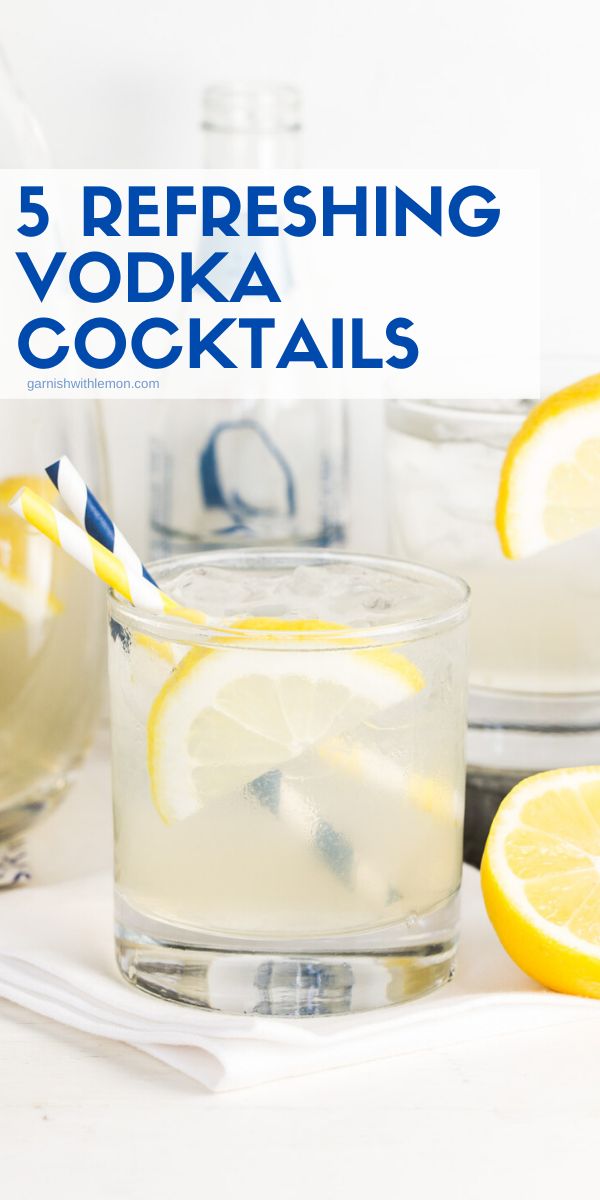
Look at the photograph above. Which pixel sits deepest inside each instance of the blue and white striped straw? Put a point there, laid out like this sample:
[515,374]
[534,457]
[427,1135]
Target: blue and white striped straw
[90,513]
[93,555]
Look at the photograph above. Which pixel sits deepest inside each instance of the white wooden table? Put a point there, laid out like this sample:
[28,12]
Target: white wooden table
[86,1118]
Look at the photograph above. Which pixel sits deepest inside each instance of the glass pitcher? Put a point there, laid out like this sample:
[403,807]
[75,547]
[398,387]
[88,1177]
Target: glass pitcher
[22,143]
[51,644]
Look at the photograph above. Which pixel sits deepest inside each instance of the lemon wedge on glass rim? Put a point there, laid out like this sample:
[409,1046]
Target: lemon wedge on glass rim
[225,717]
[540,877]
[550,481]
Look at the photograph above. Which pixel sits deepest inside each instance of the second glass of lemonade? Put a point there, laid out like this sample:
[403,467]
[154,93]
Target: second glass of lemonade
[288,782]
[534,697]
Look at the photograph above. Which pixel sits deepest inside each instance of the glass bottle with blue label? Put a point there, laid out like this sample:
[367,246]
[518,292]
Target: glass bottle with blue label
[269,468]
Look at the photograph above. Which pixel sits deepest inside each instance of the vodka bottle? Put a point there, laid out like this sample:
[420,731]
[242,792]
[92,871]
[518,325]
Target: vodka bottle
[269,468]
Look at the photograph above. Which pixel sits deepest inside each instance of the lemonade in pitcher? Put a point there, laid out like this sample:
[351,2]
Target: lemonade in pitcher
[50,630]
[46,647]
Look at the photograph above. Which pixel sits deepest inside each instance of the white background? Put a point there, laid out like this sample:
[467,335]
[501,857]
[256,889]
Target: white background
[396,83]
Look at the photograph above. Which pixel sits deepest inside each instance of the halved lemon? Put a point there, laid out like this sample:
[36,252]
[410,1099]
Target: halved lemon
[26,558]
[227,716]
[550,481]
[541,878]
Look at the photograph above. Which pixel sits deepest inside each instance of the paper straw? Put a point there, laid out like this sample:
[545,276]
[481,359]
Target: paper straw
[80,500]
[91,554]
[300,815]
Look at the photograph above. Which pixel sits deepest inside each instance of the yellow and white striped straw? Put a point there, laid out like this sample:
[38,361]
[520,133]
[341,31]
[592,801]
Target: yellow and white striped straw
[91,554]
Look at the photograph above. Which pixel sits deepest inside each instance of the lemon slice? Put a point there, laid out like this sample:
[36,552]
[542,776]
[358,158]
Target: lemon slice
[225,717]
[550,481]
[26,559]
[541,878]
[140,666]
[166,652]
[28,603]
[382,771]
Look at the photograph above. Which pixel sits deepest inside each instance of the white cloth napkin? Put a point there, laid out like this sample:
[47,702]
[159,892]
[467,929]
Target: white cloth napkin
[56,957]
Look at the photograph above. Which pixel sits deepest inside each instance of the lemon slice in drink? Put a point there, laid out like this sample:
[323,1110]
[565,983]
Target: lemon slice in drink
[541,878]
[225,717]
[370,765]
[26,559]
[550,481]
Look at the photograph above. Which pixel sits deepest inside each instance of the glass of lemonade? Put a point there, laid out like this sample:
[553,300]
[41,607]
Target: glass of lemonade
[534,657]
[288,782]
[51,642]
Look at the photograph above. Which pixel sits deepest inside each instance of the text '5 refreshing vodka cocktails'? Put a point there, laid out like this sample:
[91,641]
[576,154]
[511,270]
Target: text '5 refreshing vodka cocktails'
[288,782]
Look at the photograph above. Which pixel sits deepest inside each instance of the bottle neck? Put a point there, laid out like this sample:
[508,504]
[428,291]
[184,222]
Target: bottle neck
[227,148]
[251,125]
